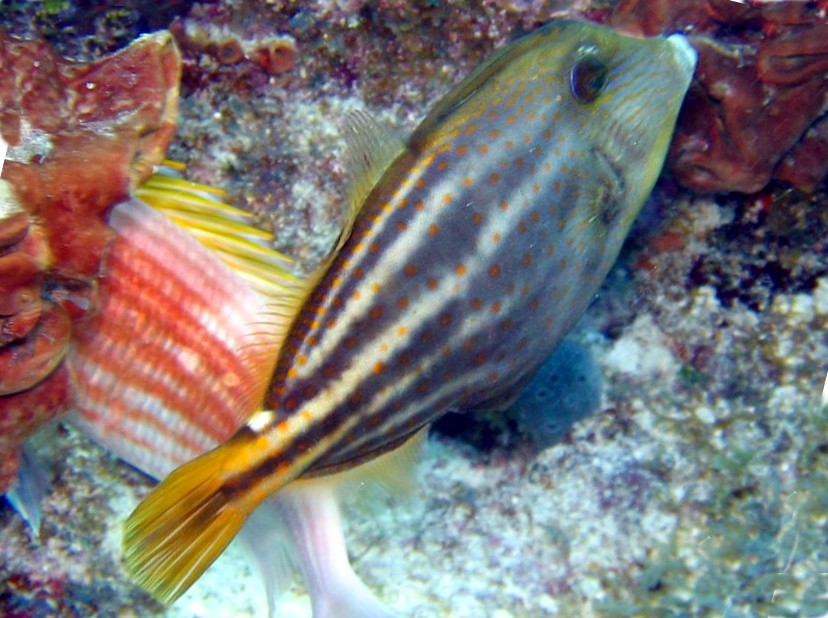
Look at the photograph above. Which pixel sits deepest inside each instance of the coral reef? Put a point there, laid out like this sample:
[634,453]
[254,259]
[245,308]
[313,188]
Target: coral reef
[698,489]
[80,136]
[758,108]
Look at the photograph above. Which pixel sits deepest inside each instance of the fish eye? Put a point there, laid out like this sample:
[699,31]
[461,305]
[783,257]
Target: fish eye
[588,77]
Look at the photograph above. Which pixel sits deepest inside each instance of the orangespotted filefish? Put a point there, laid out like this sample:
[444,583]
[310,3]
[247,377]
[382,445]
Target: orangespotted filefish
[474,246]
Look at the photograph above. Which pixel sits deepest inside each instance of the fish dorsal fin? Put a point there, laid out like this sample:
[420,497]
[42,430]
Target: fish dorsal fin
[227,231]
[371,148]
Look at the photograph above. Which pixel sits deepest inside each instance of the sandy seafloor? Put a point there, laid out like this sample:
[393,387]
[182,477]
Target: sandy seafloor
[700,489]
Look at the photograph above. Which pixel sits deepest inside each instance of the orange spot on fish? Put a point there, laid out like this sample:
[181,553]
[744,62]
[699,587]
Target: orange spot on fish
[518,161]
[504,205]
[476,303]
[521,228]
[477,218]
[291,404]
[410,270]
[402,331]
[350,342]
[356,295]
[460,270]
[494,178]
[445,319]
[442,166]
[379,367]
[462,150]
[433,229]
[467,181]
[401,226]
[496,238]
[494,134]
[432,283]
[376,312]
[483,149]
[494,271]
[402,302]
[448,198]
[495,308]
[420,205]
[526,260]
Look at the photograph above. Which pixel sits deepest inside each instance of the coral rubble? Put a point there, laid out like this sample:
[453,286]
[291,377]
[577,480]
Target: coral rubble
[81,136]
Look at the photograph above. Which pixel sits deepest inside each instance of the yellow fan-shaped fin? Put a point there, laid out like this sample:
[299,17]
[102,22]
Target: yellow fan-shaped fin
[229,232]
[188,520]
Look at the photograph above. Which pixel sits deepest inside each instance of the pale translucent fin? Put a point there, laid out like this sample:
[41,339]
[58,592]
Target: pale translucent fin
[29,489]
[229,232]
[264,539]
[309,514]
[371,150]
[392,471]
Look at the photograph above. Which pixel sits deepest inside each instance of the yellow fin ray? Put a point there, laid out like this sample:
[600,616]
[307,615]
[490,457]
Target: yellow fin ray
[227,231]
[188,520]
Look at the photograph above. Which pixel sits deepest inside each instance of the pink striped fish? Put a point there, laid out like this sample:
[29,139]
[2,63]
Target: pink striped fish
[474,248]
[192,312]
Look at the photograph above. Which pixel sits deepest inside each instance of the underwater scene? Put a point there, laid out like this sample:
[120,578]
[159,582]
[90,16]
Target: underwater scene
[375,309]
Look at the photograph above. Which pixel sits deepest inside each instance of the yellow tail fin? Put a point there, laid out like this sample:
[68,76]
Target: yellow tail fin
[185,523]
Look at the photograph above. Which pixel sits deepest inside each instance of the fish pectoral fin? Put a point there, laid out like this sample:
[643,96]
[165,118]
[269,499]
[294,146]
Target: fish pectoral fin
[188,520]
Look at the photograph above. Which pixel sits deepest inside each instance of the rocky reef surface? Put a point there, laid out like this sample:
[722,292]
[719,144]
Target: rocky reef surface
[701,486]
